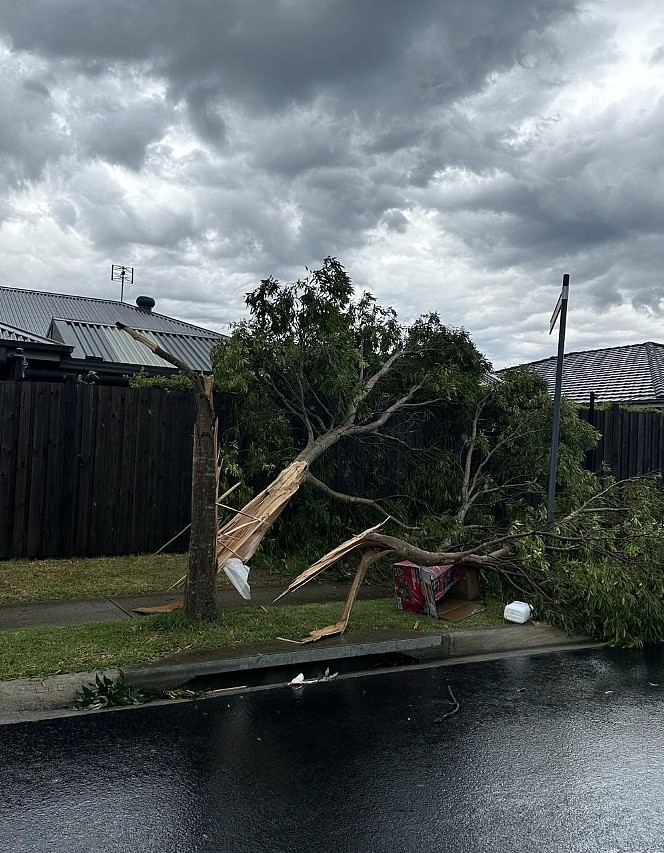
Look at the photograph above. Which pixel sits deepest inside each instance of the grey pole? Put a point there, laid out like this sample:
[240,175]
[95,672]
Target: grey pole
[561,310]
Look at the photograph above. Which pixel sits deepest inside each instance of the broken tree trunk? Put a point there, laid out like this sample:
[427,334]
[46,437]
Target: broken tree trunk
[241,536]
[376,545]
[330,559]
[200,600]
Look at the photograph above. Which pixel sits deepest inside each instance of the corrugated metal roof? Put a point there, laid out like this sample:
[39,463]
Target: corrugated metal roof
[114,345]
[33,310]
[11,333]
[628,374]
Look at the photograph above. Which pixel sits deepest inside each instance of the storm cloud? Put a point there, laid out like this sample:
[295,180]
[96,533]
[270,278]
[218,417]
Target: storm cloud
[456,157]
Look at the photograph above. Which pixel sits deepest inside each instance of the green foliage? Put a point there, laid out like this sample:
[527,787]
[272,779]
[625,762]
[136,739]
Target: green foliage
[503,430]
[601,572]
[106,692]
[623,407]
[175,382]
[302,361]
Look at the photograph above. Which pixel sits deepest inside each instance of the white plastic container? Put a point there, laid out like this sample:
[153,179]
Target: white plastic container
[518,611]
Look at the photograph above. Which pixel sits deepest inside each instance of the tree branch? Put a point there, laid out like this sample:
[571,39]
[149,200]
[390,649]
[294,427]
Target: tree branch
[305,413]
[361,429]
[353,499]
[370,384]
[193,375]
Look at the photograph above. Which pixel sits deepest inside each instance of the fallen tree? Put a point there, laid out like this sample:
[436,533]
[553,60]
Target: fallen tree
[314,366]
[597,571]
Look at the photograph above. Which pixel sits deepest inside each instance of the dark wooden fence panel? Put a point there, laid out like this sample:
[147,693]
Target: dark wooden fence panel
[632,443]
[90,469]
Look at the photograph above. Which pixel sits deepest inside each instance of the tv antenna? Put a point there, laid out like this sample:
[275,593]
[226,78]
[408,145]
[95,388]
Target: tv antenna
[122,274]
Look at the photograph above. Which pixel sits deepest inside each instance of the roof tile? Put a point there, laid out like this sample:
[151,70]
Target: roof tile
[627,374]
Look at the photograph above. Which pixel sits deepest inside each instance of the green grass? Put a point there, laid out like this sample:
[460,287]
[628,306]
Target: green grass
[90,577]
[22,581]
[45,651]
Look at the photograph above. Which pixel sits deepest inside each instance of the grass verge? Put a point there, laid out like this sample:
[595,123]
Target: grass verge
[22,581]
[46,651]
[90,577]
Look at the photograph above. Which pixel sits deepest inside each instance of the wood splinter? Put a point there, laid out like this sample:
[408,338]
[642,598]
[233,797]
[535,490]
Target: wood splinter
[368,558]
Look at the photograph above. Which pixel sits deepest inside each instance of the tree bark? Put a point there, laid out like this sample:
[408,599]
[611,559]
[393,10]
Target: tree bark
[200,601]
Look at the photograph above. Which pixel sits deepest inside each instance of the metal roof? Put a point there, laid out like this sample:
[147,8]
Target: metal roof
[88,325]
[628,374]
[11,333]
[108,343]
[33,310]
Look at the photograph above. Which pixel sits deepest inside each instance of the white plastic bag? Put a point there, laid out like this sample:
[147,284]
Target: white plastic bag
[238,574]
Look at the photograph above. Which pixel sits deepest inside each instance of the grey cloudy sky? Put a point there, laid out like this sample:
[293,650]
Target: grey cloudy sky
[455,156]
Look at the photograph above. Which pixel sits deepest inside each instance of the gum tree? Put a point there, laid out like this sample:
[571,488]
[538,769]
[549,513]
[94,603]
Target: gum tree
[314,364]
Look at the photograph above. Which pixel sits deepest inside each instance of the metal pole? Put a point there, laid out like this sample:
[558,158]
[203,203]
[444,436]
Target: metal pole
[122,278]
[555,430]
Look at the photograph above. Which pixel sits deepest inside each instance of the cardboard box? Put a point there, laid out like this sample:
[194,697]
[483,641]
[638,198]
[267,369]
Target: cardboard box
[418,588]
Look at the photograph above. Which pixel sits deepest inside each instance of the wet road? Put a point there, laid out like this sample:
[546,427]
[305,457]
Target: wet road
[548,753]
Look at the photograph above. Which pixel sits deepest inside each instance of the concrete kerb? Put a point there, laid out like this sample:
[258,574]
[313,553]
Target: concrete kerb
[26,699]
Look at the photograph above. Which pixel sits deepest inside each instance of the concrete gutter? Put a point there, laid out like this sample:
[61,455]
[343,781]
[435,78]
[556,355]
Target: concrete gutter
[177,669]
[35,698]
[26,699]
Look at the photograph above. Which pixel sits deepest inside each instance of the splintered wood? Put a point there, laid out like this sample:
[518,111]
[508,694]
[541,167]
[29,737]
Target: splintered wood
[241,536]
[329,560]
[169,607]
[368,558]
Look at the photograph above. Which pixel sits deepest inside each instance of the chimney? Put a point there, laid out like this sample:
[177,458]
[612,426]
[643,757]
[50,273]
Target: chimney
[145,303]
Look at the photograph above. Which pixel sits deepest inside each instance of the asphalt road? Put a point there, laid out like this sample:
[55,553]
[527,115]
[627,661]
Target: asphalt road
[561,752]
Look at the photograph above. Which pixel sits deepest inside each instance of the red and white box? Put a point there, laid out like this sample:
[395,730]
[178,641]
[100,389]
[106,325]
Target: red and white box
[418,588]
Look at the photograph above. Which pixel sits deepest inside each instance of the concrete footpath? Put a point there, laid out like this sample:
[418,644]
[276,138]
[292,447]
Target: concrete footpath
[116,608]
[269,663]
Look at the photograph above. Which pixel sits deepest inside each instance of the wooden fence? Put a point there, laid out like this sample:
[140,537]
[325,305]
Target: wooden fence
[632,442]
[88,469]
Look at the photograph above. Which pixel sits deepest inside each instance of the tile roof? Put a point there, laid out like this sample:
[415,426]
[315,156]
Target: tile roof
[628,374]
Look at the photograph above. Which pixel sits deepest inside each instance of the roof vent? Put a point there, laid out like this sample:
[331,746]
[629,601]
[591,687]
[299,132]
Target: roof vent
[145,303]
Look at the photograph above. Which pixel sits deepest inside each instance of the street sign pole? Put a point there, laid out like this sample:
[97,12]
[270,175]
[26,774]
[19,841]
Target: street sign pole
[560,311]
